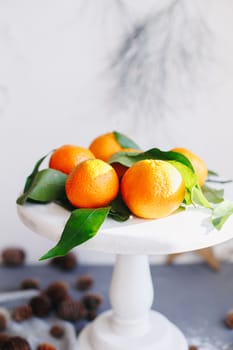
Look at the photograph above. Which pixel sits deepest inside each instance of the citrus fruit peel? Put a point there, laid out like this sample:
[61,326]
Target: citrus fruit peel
[67,157]
[92,184]
[152,189]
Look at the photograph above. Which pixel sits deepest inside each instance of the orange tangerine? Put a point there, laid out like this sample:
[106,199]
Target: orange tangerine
[152,189]
[197,163]
[67,157]
[104,146]
[92,184]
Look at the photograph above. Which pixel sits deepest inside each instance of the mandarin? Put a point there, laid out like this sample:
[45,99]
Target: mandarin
[67,157]
[92,184]
[152,189]
[197,163]
[104,146]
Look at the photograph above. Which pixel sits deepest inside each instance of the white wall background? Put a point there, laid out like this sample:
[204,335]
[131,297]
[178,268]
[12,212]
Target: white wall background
[56,87]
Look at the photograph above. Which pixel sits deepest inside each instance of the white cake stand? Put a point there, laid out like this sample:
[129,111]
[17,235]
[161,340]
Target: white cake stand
[131,324]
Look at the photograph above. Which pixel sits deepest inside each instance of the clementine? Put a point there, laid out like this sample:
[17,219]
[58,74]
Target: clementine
[104,146]
[197,163]
[152,189]
[67,157]
[92,184]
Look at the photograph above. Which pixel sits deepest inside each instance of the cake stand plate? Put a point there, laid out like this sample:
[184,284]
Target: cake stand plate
[131,323]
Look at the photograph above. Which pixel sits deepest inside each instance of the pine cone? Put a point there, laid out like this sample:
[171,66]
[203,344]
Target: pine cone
[3,338]
[41,305]
[91,301]
[68,262]
[13,256]
[22,313]
[46,346]
[30,283]
[16,343]
[57,292]
[57,331]
[3,322]
[229,319]
[71,310]
[84,283]
[91,315]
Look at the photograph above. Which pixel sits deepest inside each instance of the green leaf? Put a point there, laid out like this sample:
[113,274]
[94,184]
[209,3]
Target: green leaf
[31,177]
[82,225]
[125,158]
[213,195]
[124,141]
[189,177]
[219,181]
[214,180]
[48,185]
[198,198]
[221,213]
[128,158]
[212,173]
[119,211]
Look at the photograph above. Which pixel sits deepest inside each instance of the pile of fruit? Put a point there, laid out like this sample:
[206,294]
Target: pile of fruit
[115,178]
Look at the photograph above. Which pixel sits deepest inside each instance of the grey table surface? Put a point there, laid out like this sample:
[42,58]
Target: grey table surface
[192,296]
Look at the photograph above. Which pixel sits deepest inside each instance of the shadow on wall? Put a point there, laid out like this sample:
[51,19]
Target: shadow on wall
[160,63]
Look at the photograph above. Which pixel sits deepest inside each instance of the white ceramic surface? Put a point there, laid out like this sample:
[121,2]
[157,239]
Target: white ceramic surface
[183,231]
[162,335]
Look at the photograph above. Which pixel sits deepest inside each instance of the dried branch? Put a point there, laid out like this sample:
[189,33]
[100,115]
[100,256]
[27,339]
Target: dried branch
[162,58]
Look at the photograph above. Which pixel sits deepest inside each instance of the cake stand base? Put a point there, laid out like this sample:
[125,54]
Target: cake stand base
[131,324]
[161,334]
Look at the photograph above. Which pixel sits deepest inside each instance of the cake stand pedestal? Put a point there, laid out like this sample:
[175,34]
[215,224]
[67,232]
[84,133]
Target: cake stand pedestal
[131,324]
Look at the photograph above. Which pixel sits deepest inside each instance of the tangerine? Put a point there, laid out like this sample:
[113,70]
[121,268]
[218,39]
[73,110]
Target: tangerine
[67,157]
[104,146]
[197,163]
[92,184]
[152,189]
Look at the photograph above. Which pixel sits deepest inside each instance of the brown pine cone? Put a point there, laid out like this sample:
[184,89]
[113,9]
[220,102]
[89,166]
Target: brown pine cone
[3,338]
[71,310]
[16,343]
[193,347]
[229,319]
[22,313]
[3,322]
[57,292]
[84,282]
[91,301]
[91,315]
[13,256]
[57,331]
[46,346]
[68,262]
[41,305]
[30,283]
